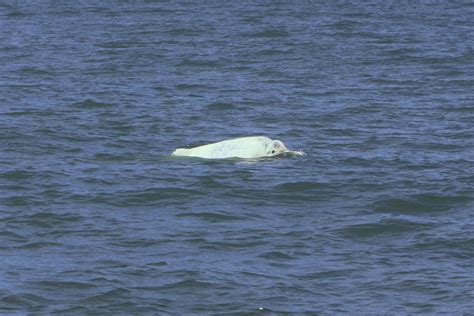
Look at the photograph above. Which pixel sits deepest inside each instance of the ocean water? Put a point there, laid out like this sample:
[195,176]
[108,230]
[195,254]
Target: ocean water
[96,218]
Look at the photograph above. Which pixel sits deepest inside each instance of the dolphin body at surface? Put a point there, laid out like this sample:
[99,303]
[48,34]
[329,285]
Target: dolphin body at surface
[244,147]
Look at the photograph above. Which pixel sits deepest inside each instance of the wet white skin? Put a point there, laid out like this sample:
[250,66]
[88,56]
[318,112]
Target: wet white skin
[245,147]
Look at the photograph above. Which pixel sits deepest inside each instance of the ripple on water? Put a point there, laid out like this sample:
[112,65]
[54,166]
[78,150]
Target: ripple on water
[140,243]
[421,203]
[39,245]
[461,245]
[269,33]
[184,32]
[12,237]
[214,217]
[43,219]
[276,256]
[17,175]
[221,106]
[91,104]
[140,197]
[384,228]
[13,302]
[300,186]
[107,296]
[64,285]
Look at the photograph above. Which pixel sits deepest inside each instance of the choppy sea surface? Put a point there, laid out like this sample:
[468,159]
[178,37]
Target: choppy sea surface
[97,218]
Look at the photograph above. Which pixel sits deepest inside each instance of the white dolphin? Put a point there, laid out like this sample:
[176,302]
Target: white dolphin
[244,147]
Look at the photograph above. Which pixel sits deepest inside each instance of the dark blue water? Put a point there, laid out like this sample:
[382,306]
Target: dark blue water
[97,218]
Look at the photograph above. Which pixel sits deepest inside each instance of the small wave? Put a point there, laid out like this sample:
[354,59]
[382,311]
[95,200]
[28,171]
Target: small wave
[11,236]
[110,157]
[26,112]
[212,182]
[191,86]
[270,33]
[91,104]
[384,227]
[23,200]
[117,44]
[245,244]
[35,71]
[333,274]
[43,219]
[149,197]
[139,243]
[21,300]
[299,186]
[158,264]
[463,244]
[211,216]
[112,295]
[183,32]
[17,175]
[420,203]
[198,63]
[55,285]
[20,14]
[221,106]
[187,285]
[275,255]
[273,52]
[467,109]
[39,245]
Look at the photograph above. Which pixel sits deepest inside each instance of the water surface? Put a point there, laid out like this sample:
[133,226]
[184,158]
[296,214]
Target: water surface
[96,217]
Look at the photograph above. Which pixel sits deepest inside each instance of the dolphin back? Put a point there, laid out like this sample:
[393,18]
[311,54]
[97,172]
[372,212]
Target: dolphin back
[244,147]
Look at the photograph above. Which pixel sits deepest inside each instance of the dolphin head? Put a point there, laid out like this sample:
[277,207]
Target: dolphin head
[277,147]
